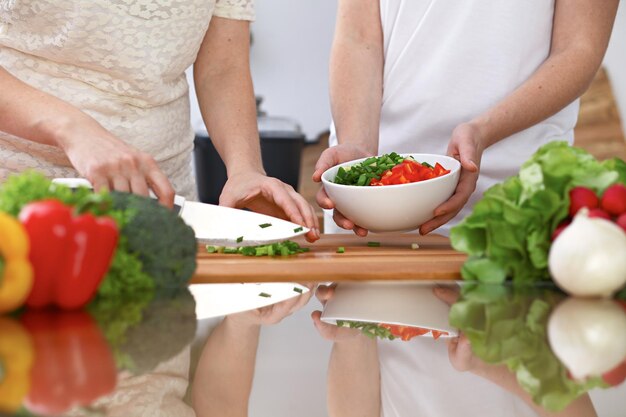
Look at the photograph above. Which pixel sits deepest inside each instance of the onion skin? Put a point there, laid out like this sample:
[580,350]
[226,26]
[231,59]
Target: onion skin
[588,336]
[588,258]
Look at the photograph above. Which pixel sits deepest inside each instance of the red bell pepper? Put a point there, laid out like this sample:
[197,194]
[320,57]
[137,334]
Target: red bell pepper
[409,171]
[73,363]
[70,254]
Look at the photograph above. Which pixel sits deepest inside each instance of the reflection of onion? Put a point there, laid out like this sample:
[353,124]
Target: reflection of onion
[588,336]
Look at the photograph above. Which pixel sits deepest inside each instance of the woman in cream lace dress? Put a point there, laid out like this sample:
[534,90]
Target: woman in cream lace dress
[97,89]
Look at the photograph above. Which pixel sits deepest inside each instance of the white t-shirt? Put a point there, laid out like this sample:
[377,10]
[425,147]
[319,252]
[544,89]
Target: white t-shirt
[417,380]
[447,62]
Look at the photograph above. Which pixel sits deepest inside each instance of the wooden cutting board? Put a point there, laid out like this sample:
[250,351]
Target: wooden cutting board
[393,260]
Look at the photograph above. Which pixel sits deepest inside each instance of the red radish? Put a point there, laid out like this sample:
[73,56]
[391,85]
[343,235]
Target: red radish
[615,376]
[614,199]
[598,212]
[582,197]
[560,228]
[621,221]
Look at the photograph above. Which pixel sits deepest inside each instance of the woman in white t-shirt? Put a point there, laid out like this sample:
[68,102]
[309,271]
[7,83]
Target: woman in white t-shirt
[487,82]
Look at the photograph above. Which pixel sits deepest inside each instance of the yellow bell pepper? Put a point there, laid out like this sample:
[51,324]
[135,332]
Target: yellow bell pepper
[16,276]
[16,359]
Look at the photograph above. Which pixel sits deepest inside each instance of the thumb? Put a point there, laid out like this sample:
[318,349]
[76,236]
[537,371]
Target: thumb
[445,294]
[327,159]
[468,156]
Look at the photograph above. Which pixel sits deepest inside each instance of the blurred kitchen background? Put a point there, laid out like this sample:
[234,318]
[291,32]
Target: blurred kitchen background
[289,59]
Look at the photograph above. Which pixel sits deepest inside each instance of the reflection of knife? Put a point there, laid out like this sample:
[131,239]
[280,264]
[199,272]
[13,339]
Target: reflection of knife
[223,226]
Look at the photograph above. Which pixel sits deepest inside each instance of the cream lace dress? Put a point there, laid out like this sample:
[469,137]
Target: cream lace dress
[120,61]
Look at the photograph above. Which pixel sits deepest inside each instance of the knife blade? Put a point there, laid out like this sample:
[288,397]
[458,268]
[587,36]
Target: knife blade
[223,226]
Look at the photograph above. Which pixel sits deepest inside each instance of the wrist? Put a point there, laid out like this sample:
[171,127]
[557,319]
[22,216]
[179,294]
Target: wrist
[482,132]
[241,322]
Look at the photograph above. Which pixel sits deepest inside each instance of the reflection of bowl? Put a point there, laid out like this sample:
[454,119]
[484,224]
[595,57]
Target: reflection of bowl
[407,304]
[393,207]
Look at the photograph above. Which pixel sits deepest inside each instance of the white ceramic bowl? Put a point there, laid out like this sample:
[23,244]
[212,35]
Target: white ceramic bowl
[393,208]
[401,303]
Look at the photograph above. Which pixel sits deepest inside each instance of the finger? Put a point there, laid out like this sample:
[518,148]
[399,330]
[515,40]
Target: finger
[446,294]
[359,231]
[302,301]
[99,183]
[342,221]
[323,200]
[276,191]
[324,329]
[161,186]
[119,183]
[462,193]
[453,344]
[325,293]
[327,159]
[435,223]
[468,155]
[138,185]
[307,212]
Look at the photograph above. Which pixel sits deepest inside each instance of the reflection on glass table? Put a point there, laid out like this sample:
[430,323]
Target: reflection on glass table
[404,349]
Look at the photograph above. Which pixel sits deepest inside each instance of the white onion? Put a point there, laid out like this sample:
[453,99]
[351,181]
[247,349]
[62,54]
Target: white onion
[588,336]
[589,257]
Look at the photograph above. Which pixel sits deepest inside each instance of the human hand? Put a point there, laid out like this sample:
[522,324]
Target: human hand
[267,195]
[109,163]
[275,313]
[459,348]
[466,145]
[329,331]
[328,159]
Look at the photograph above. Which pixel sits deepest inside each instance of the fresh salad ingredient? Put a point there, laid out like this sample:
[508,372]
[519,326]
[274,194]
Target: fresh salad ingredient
[240,239]
[73,363]
[409,171]
[341,249]
[70,254]
[373,244]
[16,360]
[589,257]
[16,274]
[508,325]
[265,295]
[265,225]
[298,290]
[390,331]
[298,229]
[388,169]
[285,248]
[509,231]
[614,200]
[415,246]
[582,197]
[583,334]
[164,244]
[621,222]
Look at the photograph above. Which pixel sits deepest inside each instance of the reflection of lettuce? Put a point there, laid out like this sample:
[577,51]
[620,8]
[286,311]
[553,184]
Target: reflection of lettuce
[509,327]
[508,232]
[144,332]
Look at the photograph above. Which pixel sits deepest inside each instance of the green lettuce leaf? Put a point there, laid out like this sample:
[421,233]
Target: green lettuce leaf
[507,235]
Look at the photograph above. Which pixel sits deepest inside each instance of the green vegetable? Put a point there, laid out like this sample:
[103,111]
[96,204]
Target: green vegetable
[373,244]
[282,248]
[298,229]
[508,232]
[144,332]
[125,275]
[264,225]
[364,172]
[508,326]
[264,294]
[240,239]
[164,244]
[372,330]
[298,290]
[341,249]
[1,268]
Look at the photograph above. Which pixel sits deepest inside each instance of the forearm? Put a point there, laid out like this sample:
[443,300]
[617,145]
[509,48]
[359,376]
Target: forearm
[560,80]
[225,371]
[580,36]
[356,74]
[501,376]
[228,108]
[34,115]
[354,379]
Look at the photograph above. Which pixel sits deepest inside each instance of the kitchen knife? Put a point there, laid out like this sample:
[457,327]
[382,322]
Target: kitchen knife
[223,226]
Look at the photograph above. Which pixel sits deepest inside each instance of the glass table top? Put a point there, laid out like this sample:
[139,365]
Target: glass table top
[410,348]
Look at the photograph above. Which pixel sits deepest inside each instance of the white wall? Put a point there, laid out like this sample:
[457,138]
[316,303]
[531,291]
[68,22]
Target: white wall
[615,61]
[289,60]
